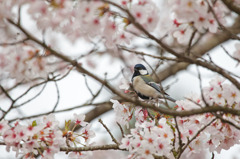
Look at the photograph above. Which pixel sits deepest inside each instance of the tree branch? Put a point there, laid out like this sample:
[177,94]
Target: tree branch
[92,148]
[232,6]
[109,132]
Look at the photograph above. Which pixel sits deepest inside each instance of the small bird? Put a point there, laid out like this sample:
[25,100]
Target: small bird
[144,85]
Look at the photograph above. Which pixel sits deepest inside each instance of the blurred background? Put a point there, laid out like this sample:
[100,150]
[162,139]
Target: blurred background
[74,92]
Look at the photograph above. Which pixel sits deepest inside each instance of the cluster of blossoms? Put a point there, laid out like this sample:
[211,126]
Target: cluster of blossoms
[91,19]
[25,63]
[196,14]
[123,113]
[74,19]
[96,20]
[222,94]
[149,138]
[164,137]
[218,135]
[44,137]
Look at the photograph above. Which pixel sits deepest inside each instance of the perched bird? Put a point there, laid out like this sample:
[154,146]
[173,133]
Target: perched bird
[144,85]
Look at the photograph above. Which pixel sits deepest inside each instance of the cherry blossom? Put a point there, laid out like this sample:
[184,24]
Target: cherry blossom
[79,119]
[3,126]
[162,146]
[231,93]
[183,35]
[87,133]
[26,139]
[123,113]
[126,143]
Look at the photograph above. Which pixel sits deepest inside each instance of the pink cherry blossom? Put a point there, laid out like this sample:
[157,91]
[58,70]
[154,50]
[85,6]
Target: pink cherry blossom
[183,35]
[126,144]
[231,94]
[162,147]
[123,113]
[3,126]
[217,81]
[87,133]
[146,151]
[30,146]
[79,119]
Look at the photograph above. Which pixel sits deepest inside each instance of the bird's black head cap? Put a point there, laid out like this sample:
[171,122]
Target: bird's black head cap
[138,67]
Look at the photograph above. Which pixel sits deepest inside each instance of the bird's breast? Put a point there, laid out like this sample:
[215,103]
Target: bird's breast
[140,86]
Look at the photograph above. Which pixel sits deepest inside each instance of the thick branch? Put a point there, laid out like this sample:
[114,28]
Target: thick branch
[232,6]
[88,148]
[92,148]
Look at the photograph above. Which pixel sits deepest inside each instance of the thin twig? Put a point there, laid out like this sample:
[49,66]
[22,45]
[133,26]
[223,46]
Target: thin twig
[121,129]
[86,83]
[212,155]
[145,54]
[201,88]
[58,97]
[225,50]
[6,93]
[227,121]
[109,132]
[58,111]
[179,136]
[31,99]
[190,42]
[96,95]
[14,43]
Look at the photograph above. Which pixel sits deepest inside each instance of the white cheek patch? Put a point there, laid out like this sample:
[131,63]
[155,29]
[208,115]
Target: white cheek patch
[143,72]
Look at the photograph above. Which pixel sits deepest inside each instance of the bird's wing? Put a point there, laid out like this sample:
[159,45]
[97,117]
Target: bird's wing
[164,94]
[148,79]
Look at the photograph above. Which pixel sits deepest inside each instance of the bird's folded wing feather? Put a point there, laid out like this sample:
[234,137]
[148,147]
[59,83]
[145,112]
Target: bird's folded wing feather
[148,79]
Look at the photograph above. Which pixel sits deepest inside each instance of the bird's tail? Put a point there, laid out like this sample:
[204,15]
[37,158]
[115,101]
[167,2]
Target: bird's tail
[167,97]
